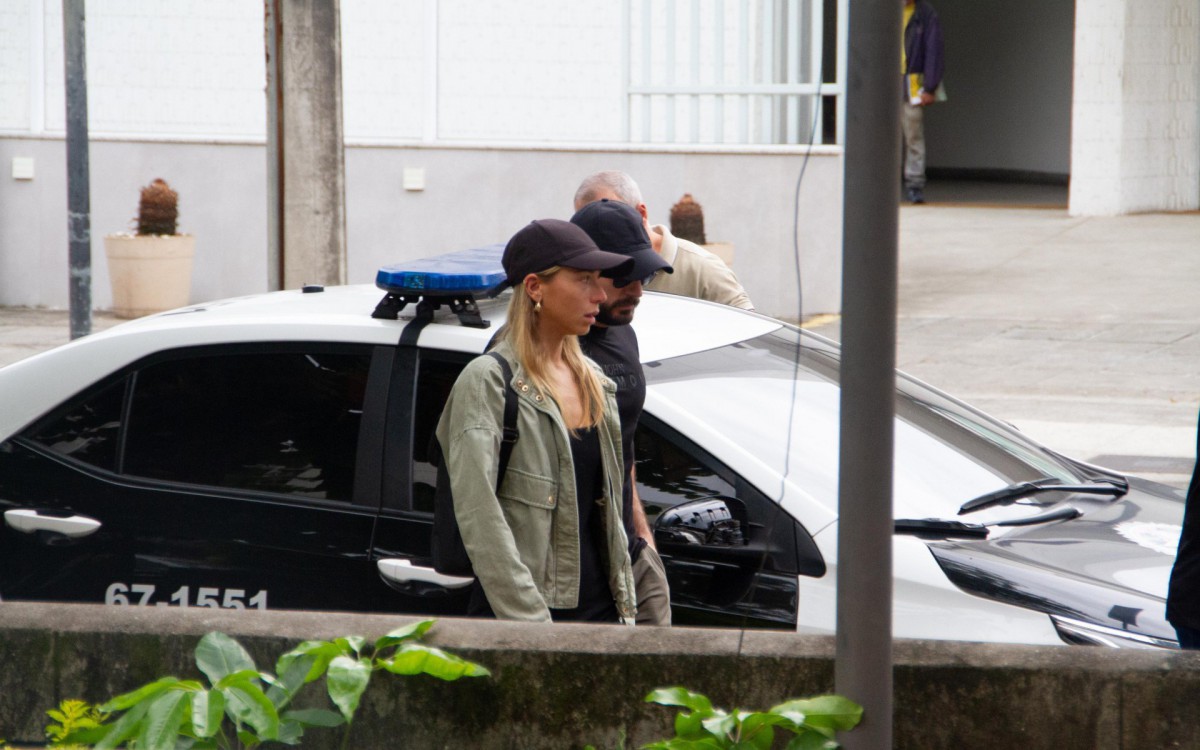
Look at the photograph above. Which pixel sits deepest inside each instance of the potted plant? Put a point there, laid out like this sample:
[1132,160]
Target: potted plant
[151,269]
[687,223]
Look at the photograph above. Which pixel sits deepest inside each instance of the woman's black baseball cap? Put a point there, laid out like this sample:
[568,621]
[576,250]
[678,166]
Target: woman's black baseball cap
[546,243]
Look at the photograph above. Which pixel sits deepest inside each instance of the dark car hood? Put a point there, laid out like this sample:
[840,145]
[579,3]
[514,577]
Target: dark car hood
[1109,566]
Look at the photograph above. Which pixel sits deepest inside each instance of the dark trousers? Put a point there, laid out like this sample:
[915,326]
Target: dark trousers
[1189,638]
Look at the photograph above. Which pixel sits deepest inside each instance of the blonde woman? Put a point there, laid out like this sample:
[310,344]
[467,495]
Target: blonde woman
[550,544]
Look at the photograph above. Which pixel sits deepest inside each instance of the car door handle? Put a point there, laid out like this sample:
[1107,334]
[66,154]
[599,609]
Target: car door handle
[399,570]
[29,521]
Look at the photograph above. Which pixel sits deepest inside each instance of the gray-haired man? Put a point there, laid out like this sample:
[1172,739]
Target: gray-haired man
[698,273]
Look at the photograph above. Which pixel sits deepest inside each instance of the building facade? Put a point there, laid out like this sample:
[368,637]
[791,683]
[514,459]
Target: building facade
[464,120]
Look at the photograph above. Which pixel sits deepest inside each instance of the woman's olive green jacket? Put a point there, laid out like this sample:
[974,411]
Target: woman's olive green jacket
[524,544]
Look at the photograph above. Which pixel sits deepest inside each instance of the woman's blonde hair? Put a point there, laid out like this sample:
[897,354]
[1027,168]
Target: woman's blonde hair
[521,332]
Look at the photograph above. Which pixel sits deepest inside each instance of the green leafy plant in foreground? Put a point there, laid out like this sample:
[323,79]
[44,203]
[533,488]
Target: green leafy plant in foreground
[70,717]
[243,707]
[814,723]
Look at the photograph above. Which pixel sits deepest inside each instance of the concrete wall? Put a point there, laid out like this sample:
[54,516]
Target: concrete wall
[221,201]
[1008,77]
[479,196]
[563,686]
[473,196]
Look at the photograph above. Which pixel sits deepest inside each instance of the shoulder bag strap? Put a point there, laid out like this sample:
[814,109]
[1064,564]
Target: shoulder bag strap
[511,434]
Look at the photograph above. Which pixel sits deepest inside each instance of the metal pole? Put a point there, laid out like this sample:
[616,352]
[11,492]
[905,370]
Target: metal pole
[863,670]
[79,221]
[275,250]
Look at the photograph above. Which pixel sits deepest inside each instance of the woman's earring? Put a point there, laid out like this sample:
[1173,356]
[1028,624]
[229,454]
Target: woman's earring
[537,306]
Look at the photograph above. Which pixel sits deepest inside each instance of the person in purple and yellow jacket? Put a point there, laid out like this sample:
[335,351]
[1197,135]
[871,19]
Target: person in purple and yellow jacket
[922,63]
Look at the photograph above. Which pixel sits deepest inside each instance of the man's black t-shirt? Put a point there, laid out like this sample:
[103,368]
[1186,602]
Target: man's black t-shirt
[615,349]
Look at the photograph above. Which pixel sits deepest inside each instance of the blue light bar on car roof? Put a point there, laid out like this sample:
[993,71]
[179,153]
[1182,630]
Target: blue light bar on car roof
[455,280]
[476,273]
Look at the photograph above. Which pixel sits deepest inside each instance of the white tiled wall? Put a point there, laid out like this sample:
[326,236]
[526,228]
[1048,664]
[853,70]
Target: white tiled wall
[187,67]
[14,65]
[511,70]
[1136,132]
[384,68]
[530,70]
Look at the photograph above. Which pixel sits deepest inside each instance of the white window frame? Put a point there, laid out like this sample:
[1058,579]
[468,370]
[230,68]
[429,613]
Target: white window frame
[770,96]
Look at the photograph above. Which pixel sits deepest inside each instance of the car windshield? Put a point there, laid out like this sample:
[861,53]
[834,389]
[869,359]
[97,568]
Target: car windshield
[946,452]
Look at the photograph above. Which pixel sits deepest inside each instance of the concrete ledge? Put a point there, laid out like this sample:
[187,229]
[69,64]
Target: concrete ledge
[560,686]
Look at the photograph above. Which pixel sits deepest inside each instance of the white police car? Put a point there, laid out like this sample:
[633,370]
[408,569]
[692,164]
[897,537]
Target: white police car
[270,452]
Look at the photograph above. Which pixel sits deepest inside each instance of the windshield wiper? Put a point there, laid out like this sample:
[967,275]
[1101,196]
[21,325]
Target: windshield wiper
[1013,492]
[1065,513]
[941,528]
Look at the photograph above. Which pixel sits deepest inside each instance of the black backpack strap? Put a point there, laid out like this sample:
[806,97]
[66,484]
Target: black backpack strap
[509,438]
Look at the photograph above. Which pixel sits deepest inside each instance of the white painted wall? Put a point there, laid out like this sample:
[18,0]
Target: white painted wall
[473,196]
[221,202]
[481,196]
[1136,139]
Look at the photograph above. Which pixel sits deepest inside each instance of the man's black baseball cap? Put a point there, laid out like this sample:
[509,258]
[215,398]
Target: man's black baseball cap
[546,243]
[618,228]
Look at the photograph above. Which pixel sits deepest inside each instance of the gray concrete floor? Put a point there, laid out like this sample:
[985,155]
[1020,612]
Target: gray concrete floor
[26,331]
[983,193]
[1083,332]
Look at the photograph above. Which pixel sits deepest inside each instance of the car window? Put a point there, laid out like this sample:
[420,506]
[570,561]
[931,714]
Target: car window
[667,475]
[671,471]
[434,380]
[282,422]
[85,428]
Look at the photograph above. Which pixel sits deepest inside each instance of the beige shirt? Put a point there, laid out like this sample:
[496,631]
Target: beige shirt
[698,273]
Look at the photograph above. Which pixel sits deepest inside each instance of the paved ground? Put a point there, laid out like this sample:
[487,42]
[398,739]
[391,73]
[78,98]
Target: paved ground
[1085,333]
[25,332]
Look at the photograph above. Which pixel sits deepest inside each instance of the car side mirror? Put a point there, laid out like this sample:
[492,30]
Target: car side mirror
[701,523]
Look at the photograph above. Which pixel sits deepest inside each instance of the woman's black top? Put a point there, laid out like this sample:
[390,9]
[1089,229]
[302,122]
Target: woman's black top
[595,596]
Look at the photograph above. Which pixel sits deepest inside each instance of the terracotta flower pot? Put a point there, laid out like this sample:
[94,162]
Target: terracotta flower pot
[150,273]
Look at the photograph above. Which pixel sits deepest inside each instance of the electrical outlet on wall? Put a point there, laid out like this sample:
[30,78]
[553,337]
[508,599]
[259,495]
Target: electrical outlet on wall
[22,168]
[414,179]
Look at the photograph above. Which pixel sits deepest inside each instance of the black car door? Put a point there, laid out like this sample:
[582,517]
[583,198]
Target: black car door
[732,555]
[421,383]
[228,476]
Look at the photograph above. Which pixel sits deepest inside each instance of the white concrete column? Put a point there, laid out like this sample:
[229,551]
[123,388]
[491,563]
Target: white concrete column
[1135,132]
[307,168]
